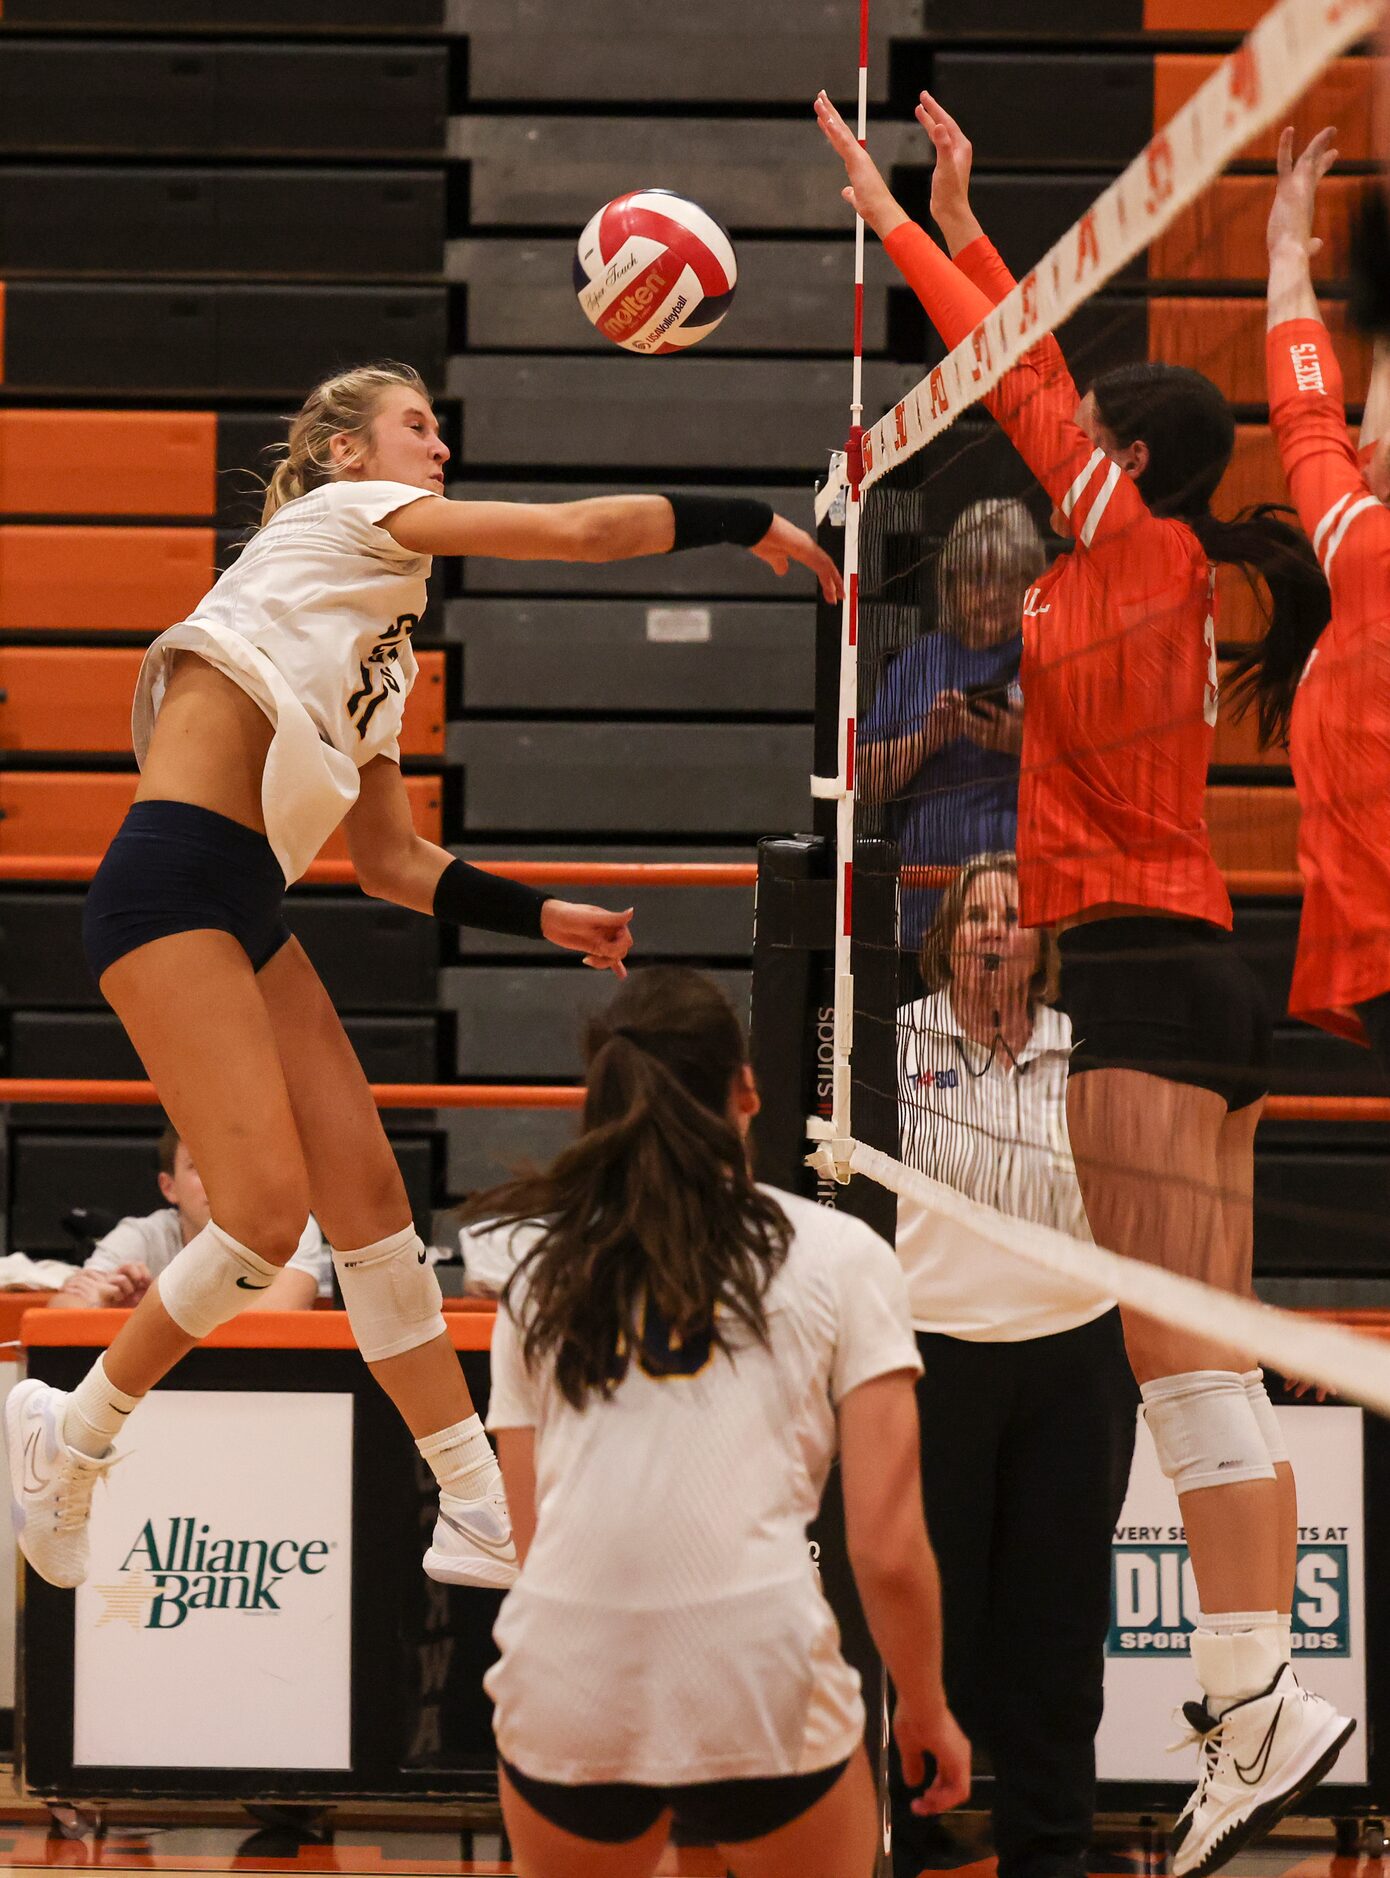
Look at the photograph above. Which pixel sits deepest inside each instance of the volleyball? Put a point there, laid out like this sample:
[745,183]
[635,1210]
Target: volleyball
[654,272]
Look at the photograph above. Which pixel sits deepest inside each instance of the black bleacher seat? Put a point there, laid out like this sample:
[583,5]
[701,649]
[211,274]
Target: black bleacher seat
[1052,109]
[277,222]
[704,572]
[1322,1198]
[699,923]
[586,778]
[54,1169]
[792,296]
[743,414]
[606,656]
[371,956]
[520,1023]
[149,97]
[1085,21]
[223,16]
[84,1044]
[118,336]
[485,1146]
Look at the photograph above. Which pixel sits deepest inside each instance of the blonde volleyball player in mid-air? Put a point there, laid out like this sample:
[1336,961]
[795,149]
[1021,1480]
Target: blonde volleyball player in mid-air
[676,1357]
[1119,680]
[261,722]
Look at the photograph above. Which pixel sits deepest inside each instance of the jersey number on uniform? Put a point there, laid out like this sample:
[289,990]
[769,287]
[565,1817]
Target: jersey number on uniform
[665,1352]
[378,671]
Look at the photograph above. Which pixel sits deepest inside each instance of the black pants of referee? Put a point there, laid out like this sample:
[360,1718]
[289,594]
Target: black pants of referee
[1026,1450]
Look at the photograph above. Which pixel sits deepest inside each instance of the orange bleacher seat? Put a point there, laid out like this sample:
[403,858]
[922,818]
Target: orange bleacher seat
[57,813]
[1202,16]
[1341,96]
[78,579]
[108,463]
[1222,235]
[1253,828]
[78,699]
[1225,339]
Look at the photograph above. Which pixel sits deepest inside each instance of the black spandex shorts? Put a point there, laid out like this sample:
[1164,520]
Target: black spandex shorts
[721,1812]
[176,868]
[1170,996]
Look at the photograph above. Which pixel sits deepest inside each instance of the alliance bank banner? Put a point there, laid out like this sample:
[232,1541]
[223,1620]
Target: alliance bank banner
[214,1629]
[1154,1602]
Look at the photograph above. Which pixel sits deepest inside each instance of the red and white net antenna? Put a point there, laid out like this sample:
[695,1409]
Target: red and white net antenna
[833,1131]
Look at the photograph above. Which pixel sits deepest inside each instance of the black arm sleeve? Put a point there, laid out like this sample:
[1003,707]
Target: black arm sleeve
[705,521]
[467,896]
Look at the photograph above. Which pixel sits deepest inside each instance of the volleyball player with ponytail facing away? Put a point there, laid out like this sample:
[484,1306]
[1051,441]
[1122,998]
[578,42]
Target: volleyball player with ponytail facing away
[1167,1080]
[261,722]
[676,1358]
[1339,737]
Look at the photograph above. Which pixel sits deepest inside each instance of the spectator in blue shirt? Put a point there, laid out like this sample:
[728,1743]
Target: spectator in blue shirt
[939,747]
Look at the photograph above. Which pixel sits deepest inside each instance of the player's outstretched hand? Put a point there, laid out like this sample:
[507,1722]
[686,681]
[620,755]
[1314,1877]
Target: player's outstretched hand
[604,938]
[785,542]
[1296,193]
[939,1735]
[950,178]
[867,194]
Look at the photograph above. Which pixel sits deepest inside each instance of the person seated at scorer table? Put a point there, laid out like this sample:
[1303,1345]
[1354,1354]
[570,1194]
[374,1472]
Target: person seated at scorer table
[124,1263]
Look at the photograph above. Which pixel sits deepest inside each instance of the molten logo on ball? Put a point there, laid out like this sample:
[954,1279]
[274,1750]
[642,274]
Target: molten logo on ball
[654,273]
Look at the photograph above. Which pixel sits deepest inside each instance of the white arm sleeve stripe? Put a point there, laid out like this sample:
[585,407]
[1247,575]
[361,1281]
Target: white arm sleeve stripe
[1107,489]
[1321,530]
[874,1334]
[514,1399]
[1073,495]
[1357,508]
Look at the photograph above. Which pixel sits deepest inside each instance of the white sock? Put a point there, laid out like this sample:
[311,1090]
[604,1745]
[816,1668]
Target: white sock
[462,1459]
[1236,1654]
[96,1412]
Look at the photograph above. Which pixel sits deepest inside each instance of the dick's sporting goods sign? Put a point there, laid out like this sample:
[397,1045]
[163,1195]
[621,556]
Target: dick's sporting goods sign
[221,1562]
[182,1567]
[1154,1602]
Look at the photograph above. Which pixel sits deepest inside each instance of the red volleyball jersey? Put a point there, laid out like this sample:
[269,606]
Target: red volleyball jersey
[1340,741]
[1119,647]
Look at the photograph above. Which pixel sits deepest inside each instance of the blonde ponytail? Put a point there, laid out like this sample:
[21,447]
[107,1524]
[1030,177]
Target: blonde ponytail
[341,406]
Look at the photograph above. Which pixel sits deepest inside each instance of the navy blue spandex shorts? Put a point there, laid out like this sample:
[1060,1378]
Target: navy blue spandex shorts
[176,868]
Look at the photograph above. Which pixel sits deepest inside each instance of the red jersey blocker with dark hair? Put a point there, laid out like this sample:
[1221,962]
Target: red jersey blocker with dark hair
[1339,744]
[1119,646]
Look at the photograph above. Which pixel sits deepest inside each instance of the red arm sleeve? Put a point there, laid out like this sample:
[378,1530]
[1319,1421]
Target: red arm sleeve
[1308,417]
[982,263]
[1034,403]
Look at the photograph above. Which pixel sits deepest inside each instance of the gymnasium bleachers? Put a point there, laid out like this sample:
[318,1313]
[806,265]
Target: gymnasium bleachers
[267,189]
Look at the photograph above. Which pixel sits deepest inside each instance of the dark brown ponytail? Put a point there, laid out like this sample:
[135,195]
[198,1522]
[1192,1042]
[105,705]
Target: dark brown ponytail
[1190,433]
[653,1208]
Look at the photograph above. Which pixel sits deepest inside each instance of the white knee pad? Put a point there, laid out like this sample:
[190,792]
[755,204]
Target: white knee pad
[213,1278]
[391,1294]
[1205,1429]
[1258,1397]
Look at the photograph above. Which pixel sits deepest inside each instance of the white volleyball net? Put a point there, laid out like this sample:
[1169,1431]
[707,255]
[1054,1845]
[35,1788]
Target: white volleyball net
[946,532]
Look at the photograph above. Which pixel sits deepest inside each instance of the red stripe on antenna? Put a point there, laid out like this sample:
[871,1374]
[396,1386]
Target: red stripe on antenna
[863,32]
[849,753]
[849,898]
[859,319]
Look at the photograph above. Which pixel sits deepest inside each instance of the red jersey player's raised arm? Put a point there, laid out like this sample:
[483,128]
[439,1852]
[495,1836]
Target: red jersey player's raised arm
[1308,416]
[1035,402]
[982,263]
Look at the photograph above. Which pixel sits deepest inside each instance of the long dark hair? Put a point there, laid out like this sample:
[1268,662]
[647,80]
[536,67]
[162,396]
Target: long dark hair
[1190,434]
[653,1208]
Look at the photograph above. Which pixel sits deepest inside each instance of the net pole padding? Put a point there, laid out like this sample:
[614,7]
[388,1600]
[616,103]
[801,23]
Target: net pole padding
[80,867]
[1248,91]
[1352,1366]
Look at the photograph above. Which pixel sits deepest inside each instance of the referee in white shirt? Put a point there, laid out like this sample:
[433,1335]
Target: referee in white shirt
[1026,1400]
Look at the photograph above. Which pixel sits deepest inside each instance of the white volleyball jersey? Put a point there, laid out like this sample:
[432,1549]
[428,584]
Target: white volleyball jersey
[668,1624]
[313,620]
[997,1131]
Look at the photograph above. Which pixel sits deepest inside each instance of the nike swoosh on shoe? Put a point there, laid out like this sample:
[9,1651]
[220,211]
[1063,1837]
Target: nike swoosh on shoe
[1255,1773]
[496,1545]
[32,1482]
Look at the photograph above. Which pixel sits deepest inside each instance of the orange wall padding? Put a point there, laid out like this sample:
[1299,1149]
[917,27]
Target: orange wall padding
[79,579]
[253,1330]
[50,812]
[1222,235]
[1253,827]
[77,698]
[1225,339]
[108,463]
[1202,16]
[1341,96]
